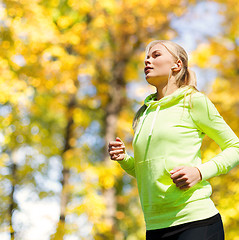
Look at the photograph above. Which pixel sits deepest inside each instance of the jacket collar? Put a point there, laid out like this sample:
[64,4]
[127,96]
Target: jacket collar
[177,94]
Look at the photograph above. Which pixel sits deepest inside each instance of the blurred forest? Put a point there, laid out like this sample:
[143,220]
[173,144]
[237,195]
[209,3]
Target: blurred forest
[65,69]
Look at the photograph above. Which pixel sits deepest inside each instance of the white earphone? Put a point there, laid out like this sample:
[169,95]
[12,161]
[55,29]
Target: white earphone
[174,66]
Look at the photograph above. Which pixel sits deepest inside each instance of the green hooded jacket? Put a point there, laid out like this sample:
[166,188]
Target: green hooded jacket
[170,134]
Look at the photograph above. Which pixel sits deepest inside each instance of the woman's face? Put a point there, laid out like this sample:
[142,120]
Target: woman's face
[158,64]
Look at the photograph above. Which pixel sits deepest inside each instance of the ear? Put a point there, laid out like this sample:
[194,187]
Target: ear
[178,65]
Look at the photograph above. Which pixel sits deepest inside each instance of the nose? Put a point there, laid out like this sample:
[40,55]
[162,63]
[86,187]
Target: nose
[146,62]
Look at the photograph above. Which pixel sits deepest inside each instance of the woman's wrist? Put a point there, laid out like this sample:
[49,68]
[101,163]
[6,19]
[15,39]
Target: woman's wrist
[200,174]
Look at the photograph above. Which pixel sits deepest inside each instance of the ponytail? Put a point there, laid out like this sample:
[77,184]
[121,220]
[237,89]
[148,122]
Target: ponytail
[191,79]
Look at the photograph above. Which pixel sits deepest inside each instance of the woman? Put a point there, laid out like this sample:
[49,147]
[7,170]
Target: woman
[169,129]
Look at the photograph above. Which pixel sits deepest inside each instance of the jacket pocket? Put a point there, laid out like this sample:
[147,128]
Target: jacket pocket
[156,187]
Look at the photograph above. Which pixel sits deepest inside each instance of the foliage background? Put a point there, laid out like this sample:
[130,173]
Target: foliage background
[71,80]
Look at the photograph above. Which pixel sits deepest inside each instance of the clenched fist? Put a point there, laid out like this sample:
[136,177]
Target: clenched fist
[116,150]
[185,177]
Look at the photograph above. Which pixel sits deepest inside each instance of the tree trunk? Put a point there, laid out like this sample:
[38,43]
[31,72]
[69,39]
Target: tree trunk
[12,205]
[117,98]
[65,193]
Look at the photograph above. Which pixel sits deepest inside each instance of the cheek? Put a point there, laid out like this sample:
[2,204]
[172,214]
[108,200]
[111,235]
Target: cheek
[163,66]
[163,62]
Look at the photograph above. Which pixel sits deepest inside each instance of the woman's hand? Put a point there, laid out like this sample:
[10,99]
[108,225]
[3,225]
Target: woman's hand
[116,150]
[185,176]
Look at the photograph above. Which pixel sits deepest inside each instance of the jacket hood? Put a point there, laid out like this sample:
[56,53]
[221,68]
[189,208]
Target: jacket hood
[177,94]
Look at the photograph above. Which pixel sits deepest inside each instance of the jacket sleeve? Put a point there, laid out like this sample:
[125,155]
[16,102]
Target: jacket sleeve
[128,164]
[208,120]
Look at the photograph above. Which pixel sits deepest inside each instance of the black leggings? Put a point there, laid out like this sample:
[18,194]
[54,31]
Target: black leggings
[210,232]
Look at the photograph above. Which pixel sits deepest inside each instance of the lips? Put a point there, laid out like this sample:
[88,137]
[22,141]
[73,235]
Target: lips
[146,69]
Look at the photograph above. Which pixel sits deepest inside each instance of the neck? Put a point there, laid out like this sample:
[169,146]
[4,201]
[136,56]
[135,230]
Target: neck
[168,89]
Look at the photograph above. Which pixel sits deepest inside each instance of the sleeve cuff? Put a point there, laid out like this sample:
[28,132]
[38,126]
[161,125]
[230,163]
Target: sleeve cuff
[208,169]
[125,161]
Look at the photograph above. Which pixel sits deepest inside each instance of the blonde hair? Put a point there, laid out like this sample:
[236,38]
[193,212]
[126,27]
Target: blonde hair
[184,77]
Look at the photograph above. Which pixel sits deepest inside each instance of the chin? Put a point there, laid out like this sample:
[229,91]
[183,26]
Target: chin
[148,77]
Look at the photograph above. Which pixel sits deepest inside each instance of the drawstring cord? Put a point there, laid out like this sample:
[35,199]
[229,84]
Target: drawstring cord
[142,121]
[151,131]
[155,116]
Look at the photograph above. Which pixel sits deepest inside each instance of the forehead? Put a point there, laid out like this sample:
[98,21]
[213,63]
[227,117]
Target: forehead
[159,47]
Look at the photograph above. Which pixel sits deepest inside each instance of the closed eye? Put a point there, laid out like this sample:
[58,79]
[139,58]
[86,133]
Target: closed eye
[156,54]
